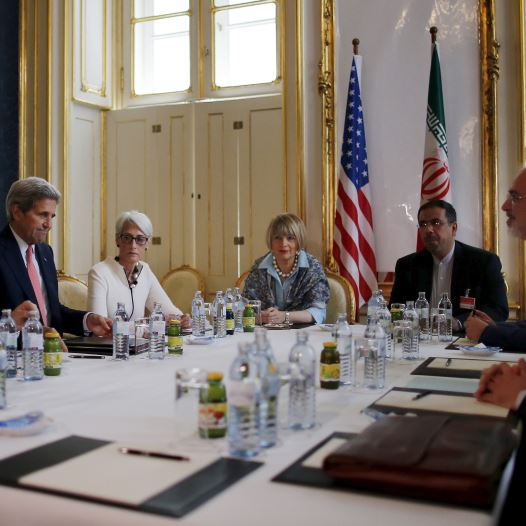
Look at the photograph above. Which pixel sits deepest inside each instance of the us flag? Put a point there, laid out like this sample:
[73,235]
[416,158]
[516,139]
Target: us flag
[353,231]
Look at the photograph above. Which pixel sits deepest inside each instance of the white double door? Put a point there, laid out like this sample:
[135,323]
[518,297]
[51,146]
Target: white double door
[210,175]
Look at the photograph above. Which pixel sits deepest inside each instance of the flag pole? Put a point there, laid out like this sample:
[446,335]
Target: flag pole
[433,30]
[355,44]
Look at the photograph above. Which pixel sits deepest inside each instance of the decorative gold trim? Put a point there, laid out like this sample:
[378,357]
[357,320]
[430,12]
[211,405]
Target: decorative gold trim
[201,53]
[65,146]
[489,75]
[22,83]
[280,25]
[84,85]
[103,148]
[522,249]
[327,91]
[36,85]
[299,111]
[49,165]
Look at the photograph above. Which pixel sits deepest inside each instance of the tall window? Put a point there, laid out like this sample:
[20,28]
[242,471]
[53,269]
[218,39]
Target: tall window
[190,49]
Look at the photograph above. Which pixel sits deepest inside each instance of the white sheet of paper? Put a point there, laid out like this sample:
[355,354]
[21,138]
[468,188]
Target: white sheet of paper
[316,459]
[439,402]
[443,383]
[109,475]
[461,364]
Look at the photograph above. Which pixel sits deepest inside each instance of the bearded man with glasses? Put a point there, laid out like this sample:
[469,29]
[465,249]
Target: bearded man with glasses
[447,265]
[127,278]
[511,336]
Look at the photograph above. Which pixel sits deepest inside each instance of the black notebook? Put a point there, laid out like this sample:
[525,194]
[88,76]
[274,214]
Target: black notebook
[96,471]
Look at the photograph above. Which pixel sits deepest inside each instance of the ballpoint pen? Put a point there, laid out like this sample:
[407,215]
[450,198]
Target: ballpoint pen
[153,454]
[448,362]
[421,395]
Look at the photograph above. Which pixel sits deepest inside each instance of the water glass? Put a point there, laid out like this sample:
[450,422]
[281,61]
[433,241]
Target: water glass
[256,304]
[443,327]
[372,353]
[141,335]
[188,385]
[408,334]
[209,317]
[434,324]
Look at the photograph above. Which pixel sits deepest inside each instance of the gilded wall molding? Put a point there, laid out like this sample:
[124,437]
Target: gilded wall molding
[489,76]
[522,250]
[327,91]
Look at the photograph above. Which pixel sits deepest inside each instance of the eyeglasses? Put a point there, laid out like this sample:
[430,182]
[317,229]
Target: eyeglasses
[434,223]
[514,197]
[129,239]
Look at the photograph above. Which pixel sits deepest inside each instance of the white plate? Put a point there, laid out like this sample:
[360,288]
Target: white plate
[473,350]
[326,326]
[199,340]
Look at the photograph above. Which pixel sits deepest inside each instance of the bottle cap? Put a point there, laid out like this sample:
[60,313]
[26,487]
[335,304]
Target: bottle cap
[215,376]
[51,333]
[175,322]
[330,345]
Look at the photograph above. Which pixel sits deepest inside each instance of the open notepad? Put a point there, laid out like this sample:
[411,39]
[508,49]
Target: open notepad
[453,367]
[96,470]
[402,400]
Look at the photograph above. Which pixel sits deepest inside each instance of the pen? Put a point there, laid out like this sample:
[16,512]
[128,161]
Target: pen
[421,395]
[92,356]
[154,454]
[448,362]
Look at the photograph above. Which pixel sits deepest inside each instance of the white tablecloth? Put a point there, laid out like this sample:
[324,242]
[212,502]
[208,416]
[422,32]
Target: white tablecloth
[134,401]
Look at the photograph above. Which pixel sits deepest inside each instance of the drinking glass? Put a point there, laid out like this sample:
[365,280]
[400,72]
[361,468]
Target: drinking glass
[372,354]
[256,304]
[209,318]
[141,335]
[408,334]
[188,385]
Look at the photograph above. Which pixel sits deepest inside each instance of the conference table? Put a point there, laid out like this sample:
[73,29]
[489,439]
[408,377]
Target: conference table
[132,402]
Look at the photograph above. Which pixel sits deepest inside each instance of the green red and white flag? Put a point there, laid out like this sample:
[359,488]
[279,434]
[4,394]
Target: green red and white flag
[436,179]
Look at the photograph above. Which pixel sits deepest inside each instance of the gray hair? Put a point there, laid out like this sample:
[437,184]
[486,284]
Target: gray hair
[24,193]
[142,221]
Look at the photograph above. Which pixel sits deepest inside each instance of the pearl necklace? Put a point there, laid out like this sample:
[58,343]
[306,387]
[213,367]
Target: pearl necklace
[282,274]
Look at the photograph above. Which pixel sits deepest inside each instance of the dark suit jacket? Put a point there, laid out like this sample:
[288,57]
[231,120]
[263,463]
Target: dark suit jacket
[473,268]
[15,286]
[510,335]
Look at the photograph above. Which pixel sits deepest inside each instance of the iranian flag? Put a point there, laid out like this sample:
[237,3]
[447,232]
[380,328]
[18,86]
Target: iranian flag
[436,180]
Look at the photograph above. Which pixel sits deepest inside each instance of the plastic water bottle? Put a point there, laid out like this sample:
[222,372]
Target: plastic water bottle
[411,348]
[342,335]
[3,374]
[374,364]
[243,401]
[219,310]
[374,303]
[8,336]
[445,307]
[302,384]
[121,334]
[422,309]
[198,315]
[238,307]
[33,347]
[384,317]
[157,332]
[270,384]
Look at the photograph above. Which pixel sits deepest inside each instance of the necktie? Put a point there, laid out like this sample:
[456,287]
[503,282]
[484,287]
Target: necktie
[35,281]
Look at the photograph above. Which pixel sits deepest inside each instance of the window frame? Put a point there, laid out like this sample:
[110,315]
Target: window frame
[202,83]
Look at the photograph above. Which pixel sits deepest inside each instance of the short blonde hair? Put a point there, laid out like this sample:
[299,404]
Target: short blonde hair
[287,225]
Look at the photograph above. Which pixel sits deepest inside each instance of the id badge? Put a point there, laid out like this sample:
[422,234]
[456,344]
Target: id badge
[466,302]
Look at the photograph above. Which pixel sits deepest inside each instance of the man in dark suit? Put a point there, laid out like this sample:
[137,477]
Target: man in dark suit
[27,269]
[511,336]
[447,265]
